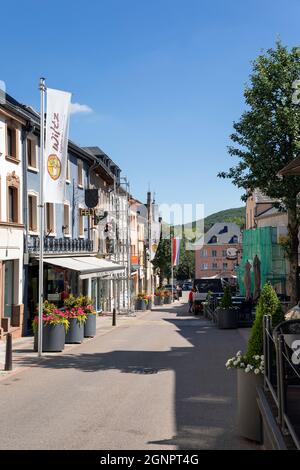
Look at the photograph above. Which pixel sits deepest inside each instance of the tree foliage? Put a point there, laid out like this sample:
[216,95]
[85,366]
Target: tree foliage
[266,138]
[268,304]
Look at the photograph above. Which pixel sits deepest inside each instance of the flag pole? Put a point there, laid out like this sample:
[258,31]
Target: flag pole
[42,89]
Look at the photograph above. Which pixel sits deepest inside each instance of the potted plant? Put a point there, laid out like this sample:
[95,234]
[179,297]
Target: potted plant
[250,366]
[77,318]
[158,297]
[55,325]
[167,297]
[226,313]
[148,301]
[86,304]
[140,303]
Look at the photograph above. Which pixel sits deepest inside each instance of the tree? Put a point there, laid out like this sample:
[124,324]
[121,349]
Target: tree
[186,266]
[266,138]
[162,260]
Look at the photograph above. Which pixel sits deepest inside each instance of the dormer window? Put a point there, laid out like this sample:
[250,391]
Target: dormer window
[224,229]
[234,239]
[213,239]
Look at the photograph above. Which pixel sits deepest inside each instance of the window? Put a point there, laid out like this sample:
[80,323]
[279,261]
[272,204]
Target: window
[215,265]
[213,239]
[68,173]
[204,266]
[12,204]
[224,253]
[80,172]
[66,226]
[214,253]
[80,225]
[234,239]
[50,227]
[31,153]
[11,142]
[225,265]
[32,213]
[204,253]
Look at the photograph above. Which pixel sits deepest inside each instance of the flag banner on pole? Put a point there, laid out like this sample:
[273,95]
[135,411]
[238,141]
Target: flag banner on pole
[56,144]
[176,250]
[155,238]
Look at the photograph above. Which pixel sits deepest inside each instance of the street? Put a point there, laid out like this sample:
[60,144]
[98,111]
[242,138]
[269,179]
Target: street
[157,381]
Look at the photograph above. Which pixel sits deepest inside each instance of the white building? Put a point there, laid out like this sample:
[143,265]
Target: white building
[11,221]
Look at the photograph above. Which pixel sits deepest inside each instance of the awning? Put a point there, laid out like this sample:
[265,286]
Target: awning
[87,266]
[293,168]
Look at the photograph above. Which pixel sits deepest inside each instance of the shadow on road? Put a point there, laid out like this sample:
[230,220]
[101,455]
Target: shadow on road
[205,393]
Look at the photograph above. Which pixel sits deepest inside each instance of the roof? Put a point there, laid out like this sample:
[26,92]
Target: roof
[260,198]
[293,168]
[273,211]
[223,231]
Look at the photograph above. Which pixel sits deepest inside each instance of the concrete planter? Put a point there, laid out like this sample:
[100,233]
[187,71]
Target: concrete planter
[249,419]
[140,304]
[149,304]
[227,318]
[167,300]
[157,300]
[90,326]
[75,333]
[53,338]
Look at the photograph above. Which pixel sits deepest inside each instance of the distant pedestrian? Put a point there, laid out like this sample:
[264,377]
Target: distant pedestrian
[191,299]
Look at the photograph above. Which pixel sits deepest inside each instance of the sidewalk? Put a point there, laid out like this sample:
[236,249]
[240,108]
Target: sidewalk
[23,347]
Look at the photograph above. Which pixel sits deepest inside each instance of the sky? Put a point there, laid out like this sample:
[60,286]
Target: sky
[156,84]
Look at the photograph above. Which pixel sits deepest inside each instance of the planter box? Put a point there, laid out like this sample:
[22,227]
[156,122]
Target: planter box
[167,300]
[75,333]
[157,300]
[249,418]
[227,318]
[53,338]
[140,305]
[90,326]
[149,305]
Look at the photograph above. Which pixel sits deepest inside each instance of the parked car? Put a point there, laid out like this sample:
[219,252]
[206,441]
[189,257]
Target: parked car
[187,285]
[169,288]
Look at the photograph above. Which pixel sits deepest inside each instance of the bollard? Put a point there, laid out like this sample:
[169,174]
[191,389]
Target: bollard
[114,317]
[8,352]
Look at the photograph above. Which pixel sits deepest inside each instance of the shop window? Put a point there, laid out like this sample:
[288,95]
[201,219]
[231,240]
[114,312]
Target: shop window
[31,153]
[32,213]
[80,172]
[50,222]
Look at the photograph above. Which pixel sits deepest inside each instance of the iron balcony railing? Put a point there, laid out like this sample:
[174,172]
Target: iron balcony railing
[61,245]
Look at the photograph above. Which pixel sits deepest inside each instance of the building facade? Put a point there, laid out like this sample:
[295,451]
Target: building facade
[220,252]
[11,220]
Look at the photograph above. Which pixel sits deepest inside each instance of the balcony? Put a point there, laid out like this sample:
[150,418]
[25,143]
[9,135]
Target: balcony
[60,245]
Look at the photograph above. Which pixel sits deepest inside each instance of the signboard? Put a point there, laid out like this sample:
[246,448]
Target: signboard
[231,253]
[87,212]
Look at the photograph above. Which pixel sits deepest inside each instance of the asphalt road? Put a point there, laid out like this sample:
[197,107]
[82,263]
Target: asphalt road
[155,382]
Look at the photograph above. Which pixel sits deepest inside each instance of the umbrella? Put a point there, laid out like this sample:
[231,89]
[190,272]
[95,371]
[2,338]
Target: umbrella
[257,277]
[247,280]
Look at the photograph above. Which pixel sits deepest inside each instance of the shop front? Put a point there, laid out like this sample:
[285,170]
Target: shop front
[63,276]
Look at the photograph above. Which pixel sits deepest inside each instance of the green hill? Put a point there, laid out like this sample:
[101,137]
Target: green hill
[236,215]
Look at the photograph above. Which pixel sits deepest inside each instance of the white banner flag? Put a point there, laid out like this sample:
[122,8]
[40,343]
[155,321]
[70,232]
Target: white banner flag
[56,144]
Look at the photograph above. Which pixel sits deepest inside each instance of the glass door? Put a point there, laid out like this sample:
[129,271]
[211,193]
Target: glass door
[8,288]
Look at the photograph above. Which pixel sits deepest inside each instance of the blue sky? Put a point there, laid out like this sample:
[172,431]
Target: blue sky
[164,80]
